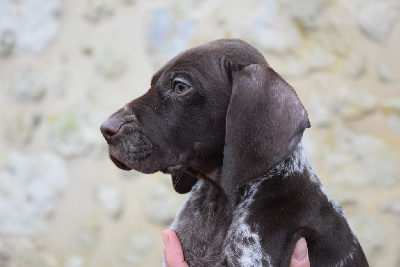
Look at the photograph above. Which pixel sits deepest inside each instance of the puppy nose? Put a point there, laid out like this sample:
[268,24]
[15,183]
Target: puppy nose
[110,128]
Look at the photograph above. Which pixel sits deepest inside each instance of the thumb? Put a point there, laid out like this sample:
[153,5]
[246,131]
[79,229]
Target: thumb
[173,253]
[300,254]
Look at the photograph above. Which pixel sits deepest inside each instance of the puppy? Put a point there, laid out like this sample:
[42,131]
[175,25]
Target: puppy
[228,128]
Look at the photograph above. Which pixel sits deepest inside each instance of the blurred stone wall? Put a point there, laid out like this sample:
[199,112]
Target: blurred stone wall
[66,65]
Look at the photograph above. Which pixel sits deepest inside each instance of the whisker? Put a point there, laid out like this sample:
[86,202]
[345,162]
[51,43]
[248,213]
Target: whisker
[166,98]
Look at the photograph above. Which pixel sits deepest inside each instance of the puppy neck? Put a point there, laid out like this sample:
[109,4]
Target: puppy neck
[208,169]
[294,166]
[295,163]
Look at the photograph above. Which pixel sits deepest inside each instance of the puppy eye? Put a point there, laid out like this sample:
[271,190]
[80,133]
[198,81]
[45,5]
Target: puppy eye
[180,87]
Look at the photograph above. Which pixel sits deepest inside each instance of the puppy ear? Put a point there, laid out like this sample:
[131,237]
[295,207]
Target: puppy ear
[265,121]
[183,182]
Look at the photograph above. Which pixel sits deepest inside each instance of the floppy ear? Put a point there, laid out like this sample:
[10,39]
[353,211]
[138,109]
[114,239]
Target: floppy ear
[265,122]
[183,182]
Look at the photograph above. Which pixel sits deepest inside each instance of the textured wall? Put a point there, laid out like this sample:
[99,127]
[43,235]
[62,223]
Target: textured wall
[66,65]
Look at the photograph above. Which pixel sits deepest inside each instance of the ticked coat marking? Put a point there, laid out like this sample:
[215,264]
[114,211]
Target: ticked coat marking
[248,249]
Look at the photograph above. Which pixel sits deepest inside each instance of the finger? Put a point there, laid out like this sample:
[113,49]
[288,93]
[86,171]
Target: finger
[173,253]
[300,254]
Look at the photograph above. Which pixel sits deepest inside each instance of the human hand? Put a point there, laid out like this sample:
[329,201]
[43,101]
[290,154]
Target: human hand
[173,253]
[300,255]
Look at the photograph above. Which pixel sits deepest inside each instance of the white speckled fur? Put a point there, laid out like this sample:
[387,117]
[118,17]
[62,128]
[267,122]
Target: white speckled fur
[192,197]
[248,251]
[297,163]
[339,210]
[345,261]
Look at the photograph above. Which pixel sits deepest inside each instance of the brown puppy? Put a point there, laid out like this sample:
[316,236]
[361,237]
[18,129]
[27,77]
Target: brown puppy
[227,127]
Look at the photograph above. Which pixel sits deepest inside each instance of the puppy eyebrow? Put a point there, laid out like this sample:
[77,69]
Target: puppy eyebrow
[181,78]
[185,75]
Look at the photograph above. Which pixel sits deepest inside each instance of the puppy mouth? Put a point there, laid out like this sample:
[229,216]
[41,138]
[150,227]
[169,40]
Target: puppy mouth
[130,154]
[135,159]
[119,164]
[175,168]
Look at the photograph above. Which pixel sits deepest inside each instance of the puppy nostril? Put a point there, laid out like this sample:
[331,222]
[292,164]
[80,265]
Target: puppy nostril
[109,133]
[110,127]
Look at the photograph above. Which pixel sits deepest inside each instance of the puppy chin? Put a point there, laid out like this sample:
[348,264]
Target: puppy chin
[137,166]
[128,159]
[146,166]
[119,164]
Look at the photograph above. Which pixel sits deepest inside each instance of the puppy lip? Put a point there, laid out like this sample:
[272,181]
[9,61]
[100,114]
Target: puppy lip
[119,164]
[175,168]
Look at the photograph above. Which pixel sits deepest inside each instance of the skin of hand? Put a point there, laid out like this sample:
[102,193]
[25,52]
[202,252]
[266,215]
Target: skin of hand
[173,253]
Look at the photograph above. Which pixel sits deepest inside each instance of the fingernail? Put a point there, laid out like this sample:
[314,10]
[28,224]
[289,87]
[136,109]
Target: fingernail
[301,252]
[165,239]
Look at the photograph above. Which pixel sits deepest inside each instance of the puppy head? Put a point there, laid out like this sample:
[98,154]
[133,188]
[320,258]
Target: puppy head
[190,115]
